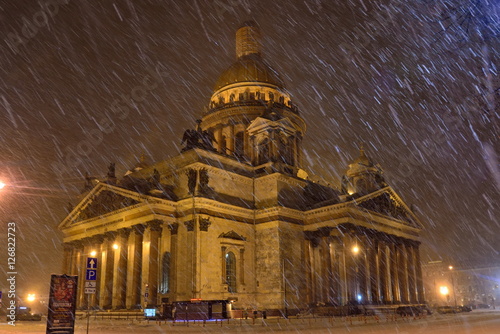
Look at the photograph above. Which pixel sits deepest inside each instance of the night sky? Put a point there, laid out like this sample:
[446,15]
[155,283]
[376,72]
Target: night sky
[422,101]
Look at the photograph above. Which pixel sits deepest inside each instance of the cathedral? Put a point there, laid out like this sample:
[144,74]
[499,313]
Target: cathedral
[234,216]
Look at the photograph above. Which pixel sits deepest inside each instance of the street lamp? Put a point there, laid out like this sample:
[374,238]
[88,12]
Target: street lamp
[453,285]
[31,297]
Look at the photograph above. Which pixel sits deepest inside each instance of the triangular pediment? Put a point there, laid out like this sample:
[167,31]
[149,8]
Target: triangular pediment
[102,200]
[105,202]
[232,235]
[259,124]
[387,203]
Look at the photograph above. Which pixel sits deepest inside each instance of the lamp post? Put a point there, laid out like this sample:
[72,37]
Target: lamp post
[355,252]
[453,285]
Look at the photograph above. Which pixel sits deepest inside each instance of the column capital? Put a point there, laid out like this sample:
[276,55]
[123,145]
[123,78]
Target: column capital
[174,228]
[155,225]
[97,239]
[204,224]
[110,235]
[124,232]
[190,225]
[138,229]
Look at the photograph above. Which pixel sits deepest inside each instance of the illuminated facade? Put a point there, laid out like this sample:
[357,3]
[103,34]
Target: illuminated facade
[235,217]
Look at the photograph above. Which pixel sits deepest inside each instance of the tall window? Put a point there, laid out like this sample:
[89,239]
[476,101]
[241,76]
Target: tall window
[231,272]
[165,273]
[238,144]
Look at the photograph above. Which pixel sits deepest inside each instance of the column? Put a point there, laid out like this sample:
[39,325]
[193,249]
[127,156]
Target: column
[343,283]
[107,271]
[253,150]
[155,229]
[120,269]
[67,257]
[385,296]
[331,298]
[308,265]
[394,275]
[412,279]
[325,270]
[173,257]
[420,280]
[351,268]
[230,139]
[242,266]
[365,271]
[403,272]
[374,260]
[96,242]
[218,138]
[82,297]
[133,300]
[191,241]
[223,264]
[246,144]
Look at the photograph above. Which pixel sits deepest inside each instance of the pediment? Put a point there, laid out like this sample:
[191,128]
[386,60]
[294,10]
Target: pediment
[105,202]
[232,235]
[102,200]
[259,124]
[386,202]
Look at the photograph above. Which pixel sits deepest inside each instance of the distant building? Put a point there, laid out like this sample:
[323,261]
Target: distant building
[445,284]
[235,217]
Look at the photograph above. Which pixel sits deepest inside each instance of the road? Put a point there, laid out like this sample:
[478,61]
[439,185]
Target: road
[476,322]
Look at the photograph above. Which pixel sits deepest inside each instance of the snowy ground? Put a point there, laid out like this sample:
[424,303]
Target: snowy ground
[477,322]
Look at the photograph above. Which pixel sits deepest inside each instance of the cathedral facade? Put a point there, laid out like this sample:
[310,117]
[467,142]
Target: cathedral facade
[235,217]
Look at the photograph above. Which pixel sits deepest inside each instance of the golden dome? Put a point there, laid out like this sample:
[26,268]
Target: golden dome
[249,68]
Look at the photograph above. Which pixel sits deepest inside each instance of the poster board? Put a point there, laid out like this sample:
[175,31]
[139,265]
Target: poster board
[62,304]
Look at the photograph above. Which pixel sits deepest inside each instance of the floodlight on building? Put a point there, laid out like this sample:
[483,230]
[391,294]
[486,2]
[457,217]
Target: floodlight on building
[444,290]
[450,267]
[93,253]
[31,297]
[2,185]
[115,246]
[355,249]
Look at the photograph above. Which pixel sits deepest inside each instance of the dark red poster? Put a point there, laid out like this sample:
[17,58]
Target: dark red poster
[62,304]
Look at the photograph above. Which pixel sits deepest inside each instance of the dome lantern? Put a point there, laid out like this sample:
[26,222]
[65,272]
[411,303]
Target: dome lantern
[247,40]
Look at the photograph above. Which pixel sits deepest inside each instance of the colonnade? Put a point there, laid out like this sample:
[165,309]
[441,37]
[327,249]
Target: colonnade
[127,268]
[229,135]
[379,269]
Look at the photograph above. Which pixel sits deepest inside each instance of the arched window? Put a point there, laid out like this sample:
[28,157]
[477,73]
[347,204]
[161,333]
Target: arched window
[231,98]
[231,272]
[165,273]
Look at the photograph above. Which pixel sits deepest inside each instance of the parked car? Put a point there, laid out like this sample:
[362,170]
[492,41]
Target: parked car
[446,310]
[464,308]
[483,306]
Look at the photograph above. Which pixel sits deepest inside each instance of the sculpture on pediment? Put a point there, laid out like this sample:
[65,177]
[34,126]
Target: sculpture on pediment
[198,139]
[111,170]
[386,205]
[105,202]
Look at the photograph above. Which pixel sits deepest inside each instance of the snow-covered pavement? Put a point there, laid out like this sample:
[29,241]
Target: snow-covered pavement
[477,322]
